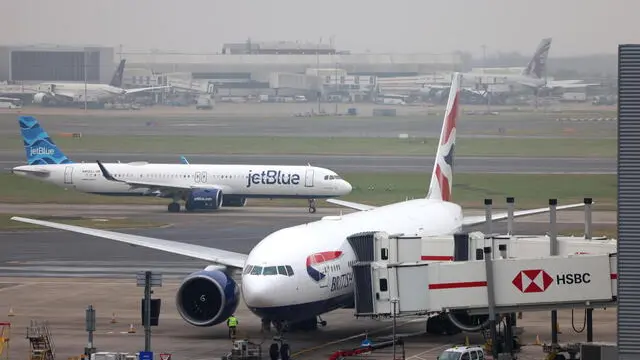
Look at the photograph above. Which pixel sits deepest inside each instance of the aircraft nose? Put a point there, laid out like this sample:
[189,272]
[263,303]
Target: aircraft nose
[257,292]
[346,187]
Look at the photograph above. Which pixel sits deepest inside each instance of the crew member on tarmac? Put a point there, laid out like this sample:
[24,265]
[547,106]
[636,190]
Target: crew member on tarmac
[232,323]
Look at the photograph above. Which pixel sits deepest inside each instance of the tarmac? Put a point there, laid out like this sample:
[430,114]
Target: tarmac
[53,275]
[277,120]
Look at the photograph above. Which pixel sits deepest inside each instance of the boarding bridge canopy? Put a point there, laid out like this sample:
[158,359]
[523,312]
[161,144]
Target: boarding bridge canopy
[423,288]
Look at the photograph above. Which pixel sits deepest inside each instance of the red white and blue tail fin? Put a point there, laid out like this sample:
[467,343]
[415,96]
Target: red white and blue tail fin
[442,175]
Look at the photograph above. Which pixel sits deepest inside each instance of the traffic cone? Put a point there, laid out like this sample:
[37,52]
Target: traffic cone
[113,318]
[538,342]
[11,312]
[132,329]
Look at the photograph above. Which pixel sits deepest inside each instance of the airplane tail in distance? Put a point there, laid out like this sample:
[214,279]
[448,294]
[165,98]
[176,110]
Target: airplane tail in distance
[40,148]
[441,184]
[116,80]
[537,66]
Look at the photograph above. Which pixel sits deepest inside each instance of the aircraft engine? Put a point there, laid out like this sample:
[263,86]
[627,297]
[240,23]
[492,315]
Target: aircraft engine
[205,199]
[40,98]
[207,298]
[234,201]
[455,322]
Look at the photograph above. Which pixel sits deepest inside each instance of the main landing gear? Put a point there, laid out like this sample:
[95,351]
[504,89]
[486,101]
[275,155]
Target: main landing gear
[312,205]
[279,349]
[174,207]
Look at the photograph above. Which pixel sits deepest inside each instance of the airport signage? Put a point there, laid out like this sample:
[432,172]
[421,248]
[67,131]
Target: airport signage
[156,280]
[145,355]
[272,177]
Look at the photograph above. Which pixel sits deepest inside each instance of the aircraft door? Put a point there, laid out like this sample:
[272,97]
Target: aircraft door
[68,175]
[308,179]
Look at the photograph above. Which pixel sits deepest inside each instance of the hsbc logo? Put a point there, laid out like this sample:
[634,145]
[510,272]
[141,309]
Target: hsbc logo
[532,281]
[537,281]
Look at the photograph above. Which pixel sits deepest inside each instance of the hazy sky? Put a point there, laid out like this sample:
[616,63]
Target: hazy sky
[576,26]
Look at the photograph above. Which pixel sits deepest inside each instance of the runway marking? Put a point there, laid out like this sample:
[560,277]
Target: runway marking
[318,347]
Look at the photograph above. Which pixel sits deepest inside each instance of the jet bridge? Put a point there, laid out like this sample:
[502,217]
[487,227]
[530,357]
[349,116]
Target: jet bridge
[391,278]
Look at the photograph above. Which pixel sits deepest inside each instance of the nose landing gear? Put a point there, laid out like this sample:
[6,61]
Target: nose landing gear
[312,206]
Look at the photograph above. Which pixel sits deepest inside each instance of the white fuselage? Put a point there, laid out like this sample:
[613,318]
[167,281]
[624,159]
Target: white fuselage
[95,92]
[244,180]
[307,293]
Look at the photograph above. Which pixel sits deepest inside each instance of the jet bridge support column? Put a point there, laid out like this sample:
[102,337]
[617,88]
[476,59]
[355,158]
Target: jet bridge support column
[491,301]
[553,251]
[587,218]
[510,206]
[487,214]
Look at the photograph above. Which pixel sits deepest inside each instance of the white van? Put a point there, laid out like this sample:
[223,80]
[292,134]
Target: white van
[463,353]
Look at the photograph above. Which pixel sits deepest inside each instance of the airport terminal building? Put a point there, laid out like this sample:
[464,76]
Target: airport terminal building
[238,69]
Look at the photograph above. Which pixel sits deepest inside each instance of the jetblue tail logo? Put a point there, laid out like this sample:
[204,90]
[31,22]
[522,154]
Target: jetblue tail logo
[39,147]
[315,261]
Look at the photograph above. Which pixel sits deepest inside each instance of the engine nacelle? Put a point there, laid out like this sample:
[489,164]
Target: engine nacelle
[205,199]
[40,98]
[207,298]
[234,201]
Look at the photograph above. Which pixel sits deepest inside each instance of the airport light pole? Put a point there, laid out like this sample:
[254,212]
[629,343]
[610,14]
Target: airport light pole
[85,78]
[394,301]
[337,86]
[484,65]
[319,92]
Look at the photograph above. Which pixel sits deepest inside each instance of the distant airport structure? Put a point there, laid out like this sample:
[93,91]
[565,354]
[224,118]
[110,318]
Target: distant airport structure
[238,69]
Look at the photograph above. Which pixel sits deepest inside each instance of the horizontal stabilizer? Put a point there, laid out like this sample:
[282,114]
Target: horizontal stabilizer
[351,205]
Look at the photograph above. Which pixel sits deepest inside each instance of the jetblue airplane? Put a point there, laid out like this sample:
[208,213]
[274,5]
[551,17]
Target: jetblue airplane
[296,274]
[207,187]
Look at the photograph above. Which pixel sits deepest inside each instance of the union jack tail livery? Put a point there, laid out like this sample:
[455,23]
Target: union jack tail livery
[442,175]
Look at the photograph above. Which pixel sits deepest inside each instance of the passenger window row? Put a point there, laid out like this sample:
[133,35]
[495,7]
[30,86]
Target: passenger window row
[332,177]
[285,270]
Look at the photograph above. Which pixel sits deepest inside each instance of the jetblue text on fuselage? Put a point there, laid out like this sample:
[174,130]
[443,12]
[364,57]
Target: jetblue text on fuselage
[272,177]
[41,151]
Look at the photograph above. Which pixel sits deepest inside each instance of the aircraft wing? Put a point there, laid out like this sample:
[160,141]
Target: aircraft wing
[216,256]
[37,172]
[137,90]
[476,220]
[350,205]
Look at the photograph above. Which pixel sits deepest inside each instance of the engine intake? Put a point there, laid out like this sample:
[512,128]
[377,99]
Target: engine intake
[207,298]
[234,201]
[206,199]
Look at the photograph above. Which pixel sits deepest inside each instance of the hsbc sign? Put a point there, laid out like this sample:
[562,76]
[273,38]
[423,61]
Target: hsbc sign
[538,280]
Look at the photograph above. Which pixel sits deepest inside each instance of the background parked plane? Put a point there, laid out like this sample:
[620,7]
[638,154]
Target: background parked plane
[68,92]
[207,187]
[298,273]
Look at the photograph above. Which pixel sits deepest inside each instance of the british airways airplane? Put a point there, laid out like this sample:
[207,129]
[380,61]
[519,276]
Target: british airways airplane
[296,274]
[207,187]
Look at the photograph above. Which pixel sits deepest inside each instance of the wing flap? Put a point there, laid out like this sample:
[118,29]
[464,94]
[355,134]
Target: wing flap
[216,256]
[476,220]
[351,205]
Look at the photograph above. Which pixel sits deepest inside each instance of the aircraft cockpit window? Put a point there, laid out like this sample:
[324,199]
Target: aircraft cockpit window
[326,177]
[270,270]
[257,270]
[248,269]
[282,270]
[337,177]
[289,270]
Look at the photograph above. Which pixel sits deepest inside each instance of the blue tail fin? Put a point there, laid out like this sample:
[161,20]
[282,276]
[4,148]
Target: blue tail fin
[38,145]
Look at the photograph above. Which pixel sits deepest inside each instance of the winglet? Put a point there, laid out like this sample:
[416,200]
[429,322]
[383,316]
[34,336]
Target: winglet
[106,173]
[184,160]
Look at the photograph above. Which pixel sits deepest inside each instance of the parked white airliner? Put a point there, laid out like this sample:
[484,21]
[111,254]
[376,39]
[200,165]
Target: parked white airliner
[207,187]
[298,273]
[67,92]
